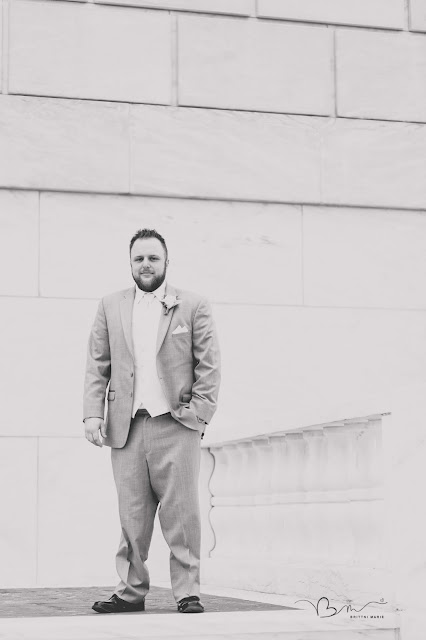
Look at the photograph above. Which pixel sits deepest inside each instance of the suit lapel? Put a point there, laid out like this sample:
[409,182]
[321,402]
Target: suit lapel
[165,320]
[126,310]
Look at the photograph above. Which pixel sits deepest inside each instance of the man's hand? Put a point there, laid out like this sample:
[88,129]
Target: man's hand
[202,422]
[92,428]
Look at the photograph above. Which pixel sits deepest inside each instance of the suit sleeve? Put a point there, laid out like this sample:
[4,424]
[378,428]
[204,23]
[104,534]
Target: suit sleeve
[206,354]
[98,367]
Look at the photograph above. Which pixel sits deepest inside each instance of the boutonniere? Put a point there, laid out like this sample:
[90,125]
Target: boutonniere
[169,302]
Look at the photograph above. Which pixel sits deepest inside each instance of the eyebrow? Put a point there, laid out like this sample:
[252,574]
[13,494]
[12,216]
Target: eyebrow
[150,255]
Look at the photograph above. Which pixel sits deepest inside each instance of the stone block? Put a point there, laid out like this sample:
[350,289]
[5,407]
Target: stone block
[19,243]
[63,144]
[18,509]
[381,75]
[233,7]
[121,54]
[370,163]
[287,367]
[364,258]
[259,244]
[418,15]
[225,154]
[79,528]
[270,157]
[43,346]
[255,65]
[368,13]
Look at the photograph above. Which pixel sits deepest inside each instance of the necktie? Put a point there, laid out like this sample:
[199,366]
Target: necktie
[147,299]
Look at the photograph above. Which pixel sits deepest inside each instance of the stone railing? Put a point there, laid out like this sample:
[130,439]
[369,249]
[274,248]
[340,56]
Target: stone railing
[299,512]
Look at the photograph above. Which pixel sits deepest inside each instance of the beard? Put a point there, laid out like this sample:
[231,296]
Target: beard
[150,284]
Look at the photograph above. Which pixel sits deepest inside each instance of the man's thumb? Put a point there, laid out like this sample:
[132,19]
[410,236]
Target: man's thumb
[103,430]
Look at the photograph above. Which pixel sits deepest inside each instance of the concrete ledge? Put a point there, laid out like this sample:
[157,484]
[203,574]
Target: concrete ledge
[271,625]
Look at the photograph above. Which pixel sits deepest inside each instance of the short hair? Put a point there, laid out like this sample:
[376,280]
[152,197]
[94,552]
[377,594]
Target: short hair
[148,233]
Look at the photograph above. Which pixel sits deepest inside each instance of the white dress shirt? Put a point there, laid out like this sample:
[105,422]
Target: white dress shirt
[148,393]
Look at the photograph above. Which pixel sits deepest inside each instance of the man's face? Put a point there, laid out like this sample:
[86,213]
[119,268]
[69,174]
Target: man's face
[148,263]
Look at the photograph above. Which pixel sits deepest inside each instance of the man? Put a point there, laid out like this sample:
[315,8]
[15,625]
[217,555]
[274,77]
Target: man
[156,347]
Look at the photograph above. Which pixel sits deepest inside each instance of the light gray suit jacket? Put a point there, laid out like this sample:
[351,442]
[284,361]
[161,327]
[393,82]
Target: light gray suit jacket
[188,364]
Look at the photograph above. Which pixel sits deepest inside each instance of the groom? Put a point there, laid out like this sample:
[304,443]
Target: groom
[156,347]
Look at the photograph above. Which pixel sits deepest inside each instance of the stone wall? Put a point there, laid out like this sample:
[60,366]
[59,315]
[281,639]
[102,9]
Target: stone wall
[279,146]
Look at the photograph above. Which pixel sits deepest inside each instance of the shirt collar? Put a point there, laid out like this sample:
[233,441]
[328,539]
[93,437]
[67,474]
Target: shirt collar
[158,293]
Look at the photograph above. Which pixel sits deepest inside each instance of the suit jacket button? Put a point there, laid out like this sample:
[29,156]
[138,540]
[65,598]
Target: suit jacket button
[131,375]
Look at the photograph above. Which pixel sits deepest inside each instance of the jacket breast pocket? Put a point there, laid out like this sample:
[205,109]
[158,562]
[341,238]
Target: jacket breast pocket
[111,396]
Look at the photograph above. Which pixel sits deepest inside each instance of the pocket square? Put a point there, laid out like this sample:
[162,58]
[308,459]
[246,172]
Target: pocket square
[180,329]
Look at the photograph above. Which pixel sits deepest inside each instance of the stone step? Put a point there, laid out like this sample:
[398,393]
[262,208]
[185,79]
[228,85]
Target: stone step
[247,625]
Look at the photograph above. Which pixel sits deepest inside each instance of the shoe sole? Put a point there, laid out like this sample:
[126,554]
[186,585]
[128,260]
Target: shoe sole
[102,610]
[193,607]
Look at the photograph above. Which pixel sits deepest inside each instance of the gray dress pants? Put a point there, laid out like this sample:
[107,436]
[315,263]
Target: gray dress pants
[159,465]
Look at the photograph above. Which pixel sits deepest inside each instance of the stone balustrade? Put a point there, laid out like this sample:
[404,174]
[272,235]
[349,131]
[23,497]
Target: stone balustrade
[300,512]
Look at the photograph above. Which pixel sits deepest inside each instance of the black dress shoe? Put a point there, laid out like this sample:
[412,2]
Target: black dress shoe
[191,604]
[117,605]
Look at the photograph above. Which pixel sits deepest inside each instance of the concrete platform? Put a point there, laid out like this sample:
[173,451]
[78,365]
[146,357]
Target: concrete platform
[250,622]
[77,601]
